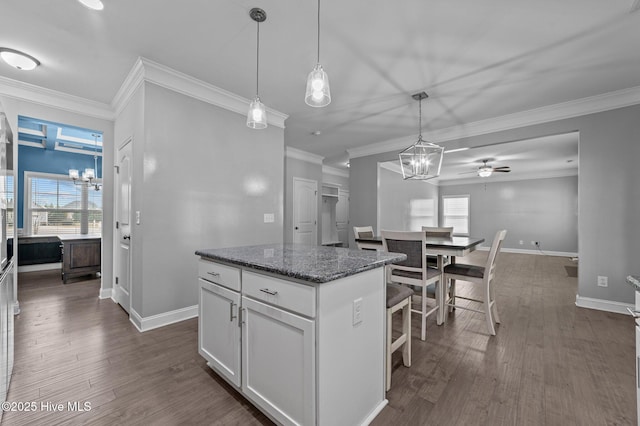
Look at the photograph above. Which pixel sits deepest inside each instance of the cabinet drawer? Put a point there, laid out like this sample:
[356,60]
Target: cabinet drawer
[295,297]
[226,276]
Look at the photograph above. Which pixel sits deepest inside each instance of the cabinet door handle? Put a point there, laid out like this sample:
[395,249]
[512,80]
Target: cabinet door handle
[271,292]
[231,316]
[214,274]
[126,237]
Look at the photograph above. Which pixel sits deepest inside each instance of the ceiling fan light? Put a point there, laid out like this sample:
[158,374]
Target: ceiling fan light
[18,60]
[485,171]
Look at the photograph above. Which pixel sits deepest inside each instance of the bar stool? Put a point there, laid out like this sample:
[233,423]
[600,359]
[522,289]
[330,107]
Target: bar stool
[398,297]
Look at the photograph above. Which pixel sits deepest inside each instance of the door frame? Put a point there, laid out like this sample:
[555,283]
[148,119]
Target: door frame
[116,234]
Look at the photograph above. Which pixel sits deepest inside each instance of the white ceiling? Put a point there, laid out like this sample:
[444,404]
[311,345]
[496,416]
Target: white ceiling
[477,59]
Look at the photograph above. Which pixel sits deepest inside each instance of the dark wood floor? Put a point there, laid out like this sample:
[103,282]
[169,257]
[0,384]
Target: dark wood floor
[550,363]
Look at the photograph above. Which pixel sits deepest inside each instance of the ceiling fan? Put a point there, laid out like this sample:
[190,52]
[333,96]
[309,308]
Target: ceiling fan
[487,170]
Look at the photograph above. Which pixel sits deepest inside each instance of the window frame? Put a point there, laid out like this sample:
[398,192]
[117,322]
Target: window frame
[27,212]
[468,216]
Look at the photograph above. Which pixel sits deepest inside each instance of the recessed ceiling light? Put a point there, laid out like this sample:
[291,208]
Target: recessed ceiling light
[18,59]
[92,4]
[316,133]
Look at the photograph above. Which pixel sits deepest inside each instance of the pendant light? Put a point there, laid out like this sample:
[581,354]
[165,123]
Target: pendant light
[422,160]
[257,116]
[318,93]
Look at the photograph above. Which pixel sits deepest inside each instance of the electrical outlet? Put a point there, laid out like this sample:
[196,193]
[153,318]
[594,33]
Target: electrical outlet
[269,218]
[521,242]
[137,217]
[535,243]
[603,281]
[357,311]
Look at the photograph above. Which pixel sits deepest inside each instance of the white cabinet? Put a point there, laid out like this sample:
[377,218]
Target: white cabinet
[6,333]
[278,362]
[293,348]
[219,329]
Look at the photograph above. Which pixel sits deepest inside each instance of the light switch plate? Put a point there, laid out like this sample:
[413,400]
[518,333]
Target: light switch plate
[138,217]
[269,218]
[357,311]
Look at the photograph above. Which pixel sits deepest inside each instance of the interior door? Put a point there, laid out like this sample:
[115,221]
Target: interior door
[342,217]
[122,286]
[305,211]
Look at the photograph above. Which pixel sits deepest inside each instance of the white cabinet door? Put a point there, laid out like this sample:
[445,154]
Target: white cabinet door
[219,330]
[638,369]
[278,362]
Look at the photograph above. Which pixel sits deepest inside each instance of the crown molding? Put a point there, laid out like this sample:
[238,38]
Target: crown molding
[590,105]
[298,154]
[335,171]
[153,72]
[53,98]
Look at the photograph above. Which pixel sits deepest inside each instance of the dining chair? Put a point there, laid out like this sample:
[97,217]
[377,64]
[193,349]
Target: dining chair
[438,231]
[414,270]
[398,297]
[482,275]
[363,232]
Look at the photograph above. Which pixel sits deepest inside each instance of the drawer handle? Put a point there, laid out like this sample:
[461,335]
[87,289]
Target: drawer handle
[635,314]
[214,274]
[271,292]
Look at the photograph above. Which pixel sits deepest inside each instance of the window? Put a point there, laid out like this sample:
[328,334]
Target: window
[7,202]
[456,213]
[55,205]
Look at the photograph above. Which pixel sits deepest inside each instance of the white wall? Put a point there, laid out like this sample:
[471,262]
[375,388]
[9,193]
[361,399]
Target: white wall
[202,180]
[544,210]
[404,205]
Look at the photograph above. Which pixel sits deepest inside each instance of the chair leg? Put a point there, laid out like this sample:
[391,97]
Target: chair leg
[406,330]
[487,311]
[423,317]
[452,295]
[388,350]
[494,306]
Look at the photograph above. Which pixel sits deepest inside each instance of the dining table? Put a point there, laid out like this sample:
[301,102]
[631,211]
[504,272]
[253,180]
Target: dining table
[451,247]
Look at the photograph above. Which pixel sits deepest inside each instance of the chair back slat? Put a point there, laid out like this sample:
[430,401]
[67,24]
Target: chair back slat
[493,253]
[413,250]
[434,231]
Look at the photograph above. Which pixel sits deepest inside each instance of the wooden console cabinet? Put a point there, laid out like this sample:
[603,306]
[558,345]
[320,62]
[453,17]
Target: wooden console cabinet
[80,255]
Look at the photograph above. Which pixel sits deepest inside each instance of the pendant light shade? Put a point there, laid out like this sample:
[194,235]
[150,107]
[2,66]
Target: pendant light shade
[318,93]
[422,160]
[257,115]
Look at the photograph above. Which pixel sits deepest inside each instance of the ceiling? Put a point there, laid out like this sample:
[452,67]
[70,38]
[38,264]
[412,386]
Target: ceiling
[477,59]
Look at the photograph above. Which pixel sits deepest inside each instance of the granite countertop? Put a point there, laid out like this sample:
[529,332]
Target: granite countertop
[634,281]
[317,264]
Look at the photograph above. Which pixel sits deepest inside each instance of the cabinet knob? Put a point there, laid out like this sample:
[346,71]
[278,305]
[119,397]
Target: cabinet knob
[126,237]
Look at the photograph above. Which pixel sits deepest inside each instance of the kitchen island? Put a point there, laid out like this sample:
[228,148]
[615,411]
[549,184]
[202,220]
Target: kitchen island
[298,330]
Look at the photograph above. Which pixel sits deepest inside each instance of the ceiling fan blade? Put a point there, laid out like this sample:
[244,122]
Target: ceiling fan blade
[501,168]
[501,171]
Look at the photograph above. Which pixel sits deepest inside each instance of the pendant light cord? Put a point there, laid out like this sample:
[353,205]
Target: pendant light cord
[257,56]
[318,31]
[420,120]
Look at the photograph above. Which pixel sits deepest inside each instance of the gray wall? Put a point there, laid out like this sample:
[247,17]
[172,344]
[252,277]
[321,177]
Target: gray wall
[306,170]
[14,107]
[609,198]
[544,210]
[202,179]
[401,201]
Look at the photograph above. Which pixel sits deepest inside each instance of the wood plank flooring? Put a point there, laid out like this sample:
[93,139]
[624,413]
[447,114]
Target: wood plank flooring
[551,363]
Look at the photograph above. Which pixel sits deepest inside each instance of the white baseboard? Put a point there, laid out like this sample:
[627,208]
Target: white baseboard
[106,293]
[538,252]
[160,320]
[40,267]
[604,305]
